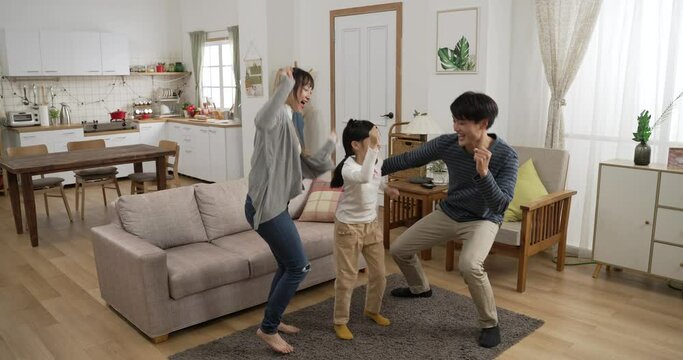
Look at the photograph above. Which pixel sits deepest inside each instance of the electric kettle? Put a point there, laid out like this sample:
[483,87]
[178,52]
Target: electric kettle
[65,114]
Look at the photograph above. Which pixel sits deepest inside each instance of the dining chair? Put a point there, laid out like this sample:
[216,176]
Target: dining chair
[51,186]
[100,176]
[141,183]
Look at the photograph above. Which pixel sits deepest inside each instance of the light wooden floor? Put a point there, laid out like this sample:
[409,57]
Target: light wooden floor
[50,306]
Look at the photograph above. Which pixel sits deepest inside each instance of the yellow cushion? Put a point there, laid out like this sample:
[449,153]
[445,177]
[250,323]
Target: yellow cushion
[529,187]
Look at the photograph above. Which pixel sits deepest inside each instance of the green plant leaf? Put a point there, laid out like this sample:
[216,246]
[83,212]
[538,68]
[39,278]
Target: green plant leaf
[461,53]
[445,56]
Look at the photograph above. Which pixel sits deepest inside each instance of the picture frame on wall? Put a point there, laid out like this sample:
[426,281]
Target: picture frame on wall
[457,41]
[675,158]
[253,80]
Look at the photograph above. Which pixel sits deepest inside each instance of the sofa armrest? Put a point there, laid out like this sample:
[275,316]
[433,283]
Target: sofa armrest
[133,276]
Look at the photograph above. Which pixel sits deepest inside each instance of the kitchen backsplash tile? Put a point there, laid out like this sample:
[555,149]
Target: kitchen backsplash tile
[89,98]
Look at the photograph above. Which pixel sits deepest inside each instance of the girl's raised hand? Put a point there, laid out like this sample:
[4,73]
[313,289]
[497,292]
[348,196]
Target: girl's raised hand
[374,137]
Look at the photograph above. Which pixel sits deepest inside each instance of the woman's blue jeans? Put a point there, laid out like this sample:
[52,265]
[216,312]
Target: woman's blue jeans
[292,264]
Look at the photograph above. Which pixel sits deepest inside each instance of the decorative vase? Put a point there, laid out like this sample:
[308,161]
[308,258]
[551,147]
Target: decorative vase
[642,154]
[179,67]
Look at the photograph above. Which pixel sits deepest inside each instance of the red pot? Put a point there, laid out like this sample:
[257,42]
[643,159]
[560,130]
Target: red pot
[118,115]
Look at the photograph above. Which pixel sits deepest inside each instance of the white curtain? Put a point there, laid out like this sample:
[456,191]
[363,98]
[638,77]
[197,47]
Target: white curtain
[634,62]
[564,32]
[197,39]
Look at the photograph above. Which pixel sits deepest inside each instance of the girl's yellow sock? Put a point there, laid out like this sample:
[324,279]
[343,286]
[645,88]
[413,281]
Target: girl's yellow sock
[343,332]
[379,319]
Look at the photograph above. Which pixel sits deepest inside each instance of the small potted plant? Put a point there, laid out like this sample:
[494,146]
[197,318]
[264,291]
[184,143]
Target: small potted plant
[53,114]
[643,132]
[439,171]
[189,110]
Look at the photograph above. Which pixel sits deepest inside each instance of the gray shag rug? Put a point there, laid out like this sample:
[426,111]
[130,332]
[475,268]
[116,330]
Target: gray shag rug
[441,327]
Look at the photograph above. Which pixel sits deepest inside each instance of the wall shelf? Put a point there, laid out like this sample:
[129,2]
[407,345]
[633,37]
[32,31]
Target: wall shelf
[176,74]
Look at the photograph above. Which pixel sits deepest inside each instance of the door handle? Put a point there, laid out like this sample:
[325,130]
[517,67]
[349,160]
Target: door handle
[389,115]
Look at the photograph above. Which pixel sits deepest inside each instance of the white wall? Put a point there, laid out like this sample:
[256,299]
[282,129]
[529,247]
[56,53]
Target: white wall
[252,18]
[422,88]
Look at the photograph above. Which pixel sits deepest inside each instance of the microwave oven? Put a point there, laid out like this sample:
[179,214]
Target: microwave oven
[21,118]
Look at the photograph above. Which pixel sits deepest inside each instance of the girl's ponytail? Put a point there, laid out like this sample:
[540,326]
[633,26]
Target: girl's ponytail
[337,178]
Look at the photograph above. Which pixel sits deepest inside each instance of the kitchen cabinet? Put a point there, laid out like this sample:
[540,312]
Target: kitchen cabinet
[638,218]
[64,53]
[55,53]
[115,54]
[20,52]
[207,152]
[85,52]
[218,162]
[233,149]
[150,134]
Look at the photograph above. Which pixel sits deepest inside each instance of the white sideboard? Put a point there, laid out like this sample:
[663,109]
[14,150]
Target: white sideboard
[639,218]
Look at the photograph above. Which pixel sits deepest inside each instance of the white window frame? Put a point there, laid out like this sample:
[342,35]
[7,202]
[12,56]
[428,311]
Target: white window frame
[221,102]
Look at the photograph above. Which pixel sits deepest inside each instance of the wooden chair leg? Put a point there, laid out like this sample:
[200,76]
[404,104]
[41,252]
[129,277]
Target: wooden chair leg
[521,273]
[66,203]
[450,255]
[104,196]
[596,272]
[76,191]
[132,187]
[561,254]
[83,201]
[47,207]
[116,184]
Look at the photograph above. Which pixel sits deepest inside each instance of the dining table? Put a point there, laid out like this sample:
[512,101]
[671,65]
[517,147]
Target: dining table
[22,169]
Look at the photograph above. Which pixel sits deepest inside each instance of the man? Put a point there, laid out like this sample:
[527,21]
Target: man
[482,174]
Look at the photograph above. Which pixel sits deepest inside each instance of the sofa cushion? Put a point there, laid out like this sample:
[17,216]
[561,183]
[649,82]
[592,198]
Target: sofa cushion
[322,201]
[317,239]
[296,205]
[252,247]
[509,233]
[197,267]
[164,218]
[221,206]
[529,187]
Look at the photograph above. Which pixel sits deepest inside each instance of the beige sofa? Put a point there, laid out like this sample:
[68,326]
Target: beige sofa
[179,257]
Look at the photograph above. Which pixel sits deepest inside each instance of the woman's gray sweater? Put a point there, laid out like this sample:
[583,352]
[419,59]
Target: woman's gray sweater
[277,166]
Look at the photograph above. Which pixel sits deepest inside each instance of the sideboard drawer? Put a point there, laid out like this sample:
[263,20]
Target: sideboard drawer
[669,228]
[670,193]
[667,261]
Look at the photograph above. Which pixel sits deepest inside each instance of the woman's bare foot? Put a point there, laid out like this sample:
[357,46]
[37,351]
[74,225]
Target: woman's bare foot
[275,342]
[288,329]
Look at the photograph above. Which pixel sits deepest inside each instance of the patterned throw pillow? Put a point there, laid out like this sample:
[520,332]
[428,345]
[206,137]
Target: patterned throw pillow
[322,202]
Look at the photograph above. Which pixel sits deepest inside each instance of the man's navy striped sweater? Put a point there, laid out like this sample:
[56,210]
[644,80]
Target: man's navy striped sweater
[470,197]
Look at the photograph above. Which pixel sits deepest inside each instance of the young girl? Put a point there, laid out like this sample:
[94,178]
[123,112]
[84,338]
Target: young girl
[356,227]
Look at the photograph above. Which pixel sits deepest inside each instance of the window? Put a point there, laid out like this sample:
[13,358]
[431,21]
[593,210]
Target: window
[218,79]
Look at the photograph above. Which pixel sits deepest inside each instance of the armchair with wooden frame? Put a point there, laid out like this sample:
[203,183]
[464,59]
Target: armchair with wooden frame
[544,220]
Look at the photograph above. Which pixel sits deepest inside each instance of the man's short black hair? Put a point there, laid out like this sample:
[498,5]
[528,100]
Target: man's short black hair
[474,106]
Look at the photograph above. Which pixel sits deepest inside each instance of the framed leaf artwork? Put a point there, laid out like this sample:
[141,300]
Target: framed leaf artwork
[457,40]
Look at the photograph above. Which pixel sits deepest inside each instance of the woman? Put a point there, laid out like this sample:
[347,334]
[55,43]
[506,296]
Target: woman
[277,169]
